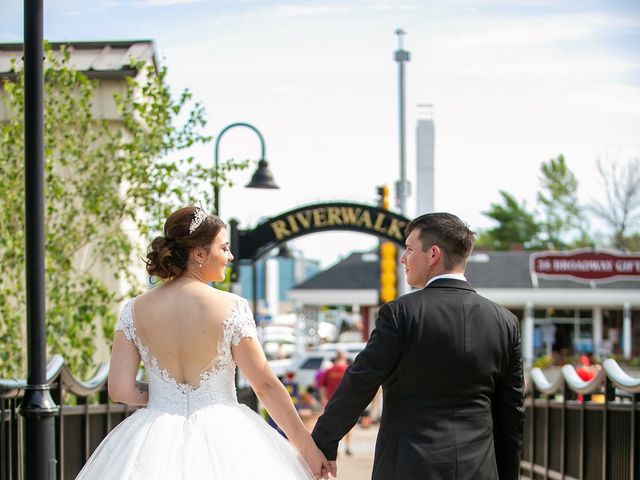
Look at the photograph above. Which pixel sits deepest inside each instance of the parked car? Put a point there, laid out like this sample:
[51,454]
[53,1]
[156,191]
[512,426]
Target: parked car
[346,347]
[304,366]
[331,323]
[279,348]
[278,341]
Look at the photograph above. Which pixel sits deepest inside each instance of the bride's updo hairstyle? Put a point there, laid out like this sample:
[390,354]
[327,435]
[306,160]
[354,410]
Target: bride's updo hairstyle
[184,230]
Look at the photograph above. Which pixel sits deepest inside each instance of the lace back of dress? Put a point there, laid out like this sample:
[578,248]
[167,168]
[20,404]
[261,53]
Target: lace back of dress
[237,325]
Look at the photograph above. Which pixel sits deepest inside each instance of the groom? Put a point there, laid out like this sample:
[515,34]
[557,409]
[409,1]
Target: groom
[450,365]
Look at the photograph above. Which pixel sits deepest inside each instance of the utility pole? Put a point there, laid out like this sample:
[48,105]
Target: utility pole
[402,186]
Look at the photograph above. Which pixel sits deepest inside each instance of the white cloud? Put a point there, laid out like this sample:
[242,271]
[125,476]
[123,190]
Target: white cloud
[307,10]
[535,31]
[91,8]
[623,99]
[578,65]
[166,3]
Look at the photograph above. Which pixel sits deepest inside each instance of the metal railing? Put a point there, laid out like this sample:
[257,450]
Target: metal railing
[573,429]
[80,427]
[582,430]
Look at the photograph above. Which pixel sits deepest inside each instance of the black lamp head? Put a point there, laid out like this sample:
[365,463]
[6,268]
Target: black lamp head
[262,178]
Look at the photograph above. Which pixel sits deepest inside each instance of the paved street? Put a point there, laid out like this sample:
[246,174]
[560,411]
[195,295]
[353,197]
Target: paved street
[358,466]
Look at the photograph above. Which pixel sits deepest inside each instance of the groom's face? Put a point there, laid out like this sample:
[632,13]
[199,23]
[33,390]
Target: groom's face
[417,263]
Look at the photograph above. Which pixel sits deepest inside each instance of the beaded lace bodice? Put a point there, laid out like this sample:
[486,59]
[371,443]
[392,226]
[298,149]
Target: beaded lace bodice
[217,382]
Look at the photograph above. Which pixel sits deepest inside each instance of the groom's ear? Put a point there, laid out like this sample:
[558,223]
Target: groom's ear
[435,255]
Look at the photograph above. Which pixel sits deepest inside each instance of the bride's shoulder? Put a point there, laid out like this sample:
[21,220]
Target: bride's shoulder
[220,298]
[221,294]
[231,299]
[151,294]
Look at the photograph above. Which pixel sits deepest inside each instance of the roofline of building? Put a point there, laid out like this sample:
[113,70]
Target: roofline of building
[90,74]
[508,297]
[91,44]
[126,71]
[319,297]
[562,297]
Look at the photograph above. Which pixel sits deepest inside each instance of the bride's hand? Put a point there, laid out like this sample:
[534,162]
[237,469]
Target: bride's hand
[320,466]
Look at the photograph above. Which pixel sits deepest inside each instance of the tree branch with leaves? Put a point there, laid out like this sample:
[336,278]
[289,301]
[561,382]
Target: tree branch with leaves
[621,208]
[108,186]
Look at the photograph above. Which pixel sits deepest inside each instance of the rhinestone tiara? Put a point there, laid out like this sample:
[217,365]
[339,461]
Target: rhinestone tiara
[198,218]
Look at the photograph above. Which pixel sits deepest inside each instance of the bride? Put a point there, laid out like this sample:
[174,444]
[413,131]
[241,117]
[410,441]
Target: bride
[190,338]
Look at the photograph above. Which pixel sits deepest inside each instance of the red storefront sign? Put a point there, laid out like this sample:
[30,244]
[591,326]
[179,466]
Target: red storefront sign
[587,265]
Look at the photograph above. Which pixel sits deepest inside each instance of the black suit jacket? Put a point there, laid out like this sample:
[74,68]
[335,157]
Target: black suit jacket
[450,365]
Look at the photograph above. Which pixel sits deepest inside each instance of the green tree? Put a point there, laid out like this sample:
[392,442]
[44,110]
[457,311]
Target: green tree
[515,226]
[564,224]
[107,183]
[632,242]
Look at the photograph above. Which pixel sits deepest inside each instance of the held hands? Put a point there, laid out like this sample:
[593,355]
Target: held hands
[319,465]
[333,468]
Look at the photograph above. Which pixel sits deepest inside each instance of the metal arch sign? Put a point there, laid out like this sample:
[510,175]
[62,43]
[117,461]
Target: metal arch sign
[252,244]
[587,265]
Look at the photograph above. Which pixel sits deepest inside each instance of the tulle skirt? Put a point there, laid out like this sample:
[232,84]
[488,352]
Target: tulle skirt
[226,442]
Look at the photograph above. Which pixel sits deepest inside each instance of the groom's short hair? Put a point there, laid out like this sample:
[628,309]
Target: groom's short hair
[448,232]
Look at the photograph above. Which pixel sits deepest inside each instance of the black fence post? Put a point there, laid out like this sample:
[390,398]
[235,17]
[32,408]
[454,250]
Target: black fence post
[609,395]
[563,429]
[547,436]
[635,398]
[532,432]
[582,456]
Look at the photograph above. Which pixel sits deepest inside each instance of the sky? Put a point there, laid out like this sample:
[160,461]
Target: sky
[513,83]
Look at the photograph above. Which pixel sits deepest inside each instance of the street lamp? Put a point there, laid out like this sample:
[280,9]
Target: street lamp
[262,177]
[37,408]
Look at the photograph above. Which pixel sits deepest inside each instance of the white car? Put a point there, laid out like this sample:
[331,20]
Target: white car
[278,341]
[346,347]
[304,366]
[331,323]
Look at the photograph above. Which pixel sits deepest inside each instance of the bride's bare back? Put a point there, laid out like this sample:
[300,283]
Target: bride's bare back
[182,324]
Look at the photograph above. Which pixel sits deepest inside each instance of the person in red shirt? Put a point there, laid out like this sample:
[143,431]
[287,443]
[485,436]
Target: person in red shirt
[329,383]
[584,371]
[317,381]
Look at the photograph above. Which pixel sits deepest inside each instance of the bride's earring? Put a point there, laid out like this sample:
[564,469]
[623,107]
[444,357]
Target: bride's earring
[200,265]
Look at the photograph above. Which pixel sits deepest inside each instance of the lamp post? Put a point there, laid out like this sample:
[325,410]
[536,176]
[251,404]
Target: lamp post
[262,177]
[37,407]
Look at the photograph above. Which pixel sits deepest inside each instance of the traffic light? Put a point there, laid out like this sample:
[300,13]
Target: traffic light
[388,266]
[388,255]
[383,196]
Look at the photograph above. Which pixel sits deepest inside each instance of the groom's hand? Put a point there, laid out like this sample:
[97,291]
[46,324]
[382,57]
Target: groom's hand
[333,468]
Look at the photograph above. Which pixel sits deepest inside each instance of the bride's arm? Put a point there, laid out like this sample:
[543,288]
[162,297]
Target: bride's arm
[123,368]
[249,356]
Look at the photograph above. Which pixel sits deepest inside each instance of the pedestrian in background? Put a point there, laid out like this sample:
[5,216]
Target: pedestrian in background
[329,383]
[326,365]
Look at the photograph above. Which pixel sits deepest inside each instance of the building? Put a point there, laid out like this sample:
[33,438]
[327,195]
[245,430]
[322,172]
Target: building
[351,283]
[425,161]
[275,277]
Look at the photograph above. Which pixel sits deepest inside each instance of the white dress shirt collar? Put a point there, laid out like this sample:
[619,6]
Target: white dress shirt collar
[454,276]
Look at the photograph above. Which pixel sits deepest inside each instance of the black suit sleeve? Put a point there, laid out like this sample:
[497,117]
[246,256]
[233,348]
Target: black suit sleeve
[361,382]
[508,409]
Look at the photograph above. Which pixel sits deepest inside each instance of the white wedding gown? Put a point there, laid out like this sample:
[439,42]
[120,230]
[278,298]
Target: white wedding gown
[188,433]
